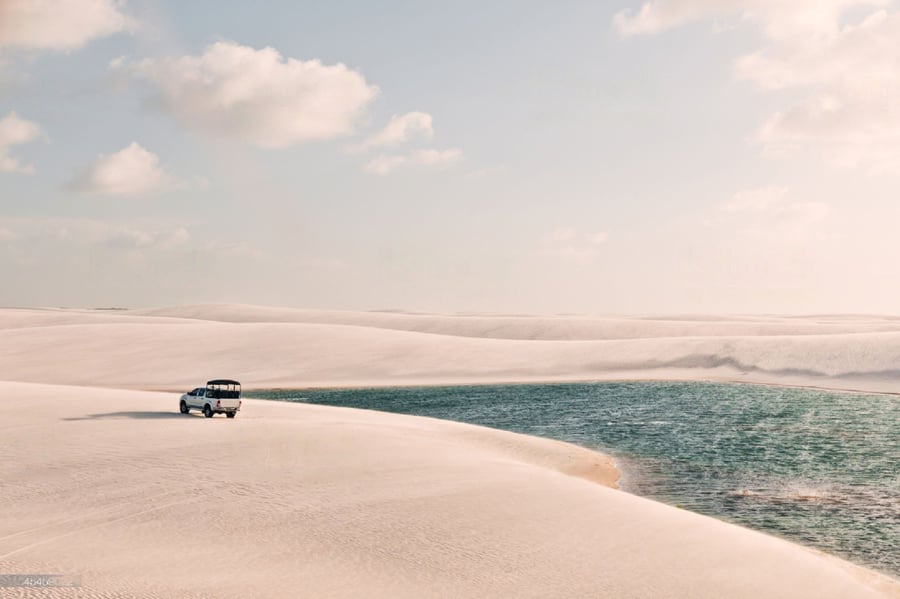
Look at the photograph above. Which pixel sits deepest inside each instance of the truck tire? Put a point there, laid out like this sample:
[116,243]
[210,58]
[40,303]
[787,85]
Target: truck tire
[230,414]
[183,407]
[207,411]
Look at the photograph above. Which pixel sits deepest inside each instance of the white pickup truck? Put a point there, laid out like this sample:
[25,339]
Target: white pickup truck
[219,396]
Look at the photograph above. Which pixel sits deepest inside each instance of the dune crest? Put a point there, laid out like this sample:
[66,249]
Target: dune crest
[281,347]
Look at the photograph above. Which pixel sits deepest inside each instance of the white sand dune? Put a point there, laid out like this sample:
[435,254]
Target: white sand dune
[269,347]
[307,501]
[106,481]
[542,327]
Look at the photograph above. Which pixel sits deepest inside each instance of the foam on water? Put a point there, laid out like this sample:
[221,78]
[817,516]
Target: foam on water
[816,467]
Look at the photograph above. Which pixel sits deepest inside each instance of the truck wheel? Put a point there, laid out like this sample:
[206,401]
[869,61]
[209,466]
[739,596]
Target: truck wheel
[183,407]
[207,411]
[230,414]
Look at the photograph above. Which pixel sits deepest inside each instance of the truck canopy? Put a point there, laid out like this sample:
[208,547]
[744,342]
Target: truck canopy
[223,382]
[223,389]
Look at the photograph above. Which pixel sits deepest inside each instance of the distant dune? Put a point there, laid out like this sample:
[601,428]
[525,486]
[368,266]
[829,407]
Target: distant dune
[106,481]
[278,347]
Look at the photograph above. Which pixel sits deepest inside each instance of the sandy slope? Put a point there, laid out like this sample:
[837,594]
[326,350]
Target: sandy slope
[292,501]
[267,347]
[307,501]
[563,327]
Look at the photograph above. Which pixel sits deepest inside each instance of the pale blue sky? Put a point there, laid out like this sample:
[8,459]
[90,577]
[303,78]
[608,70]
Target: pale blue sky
[579,161]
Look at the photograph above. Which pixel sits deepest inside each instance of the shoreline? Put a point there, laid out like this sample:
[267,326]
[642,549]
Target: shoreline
[614,459]
[553,381]
[430,383]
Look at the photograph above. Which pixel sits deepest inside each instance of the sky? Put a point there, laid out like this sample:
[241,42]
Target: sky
[517,156]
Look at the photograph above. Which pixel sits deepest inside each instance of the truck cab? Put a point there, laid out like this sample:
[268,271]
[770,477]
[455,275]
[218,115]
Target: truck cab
[219,396]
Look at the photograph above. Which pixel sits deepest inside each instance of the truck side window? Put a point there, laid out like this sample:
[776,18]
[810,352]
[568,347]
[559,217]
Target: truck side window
[200,392]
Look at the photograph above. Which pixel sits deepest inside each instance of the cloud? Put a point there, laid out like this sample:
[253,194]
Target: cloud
[755,201]
[15,131]
[386,164]
[850,117]
[797,20]
[383,165]
[400,129]
[58,24]
[32,232]
[257,96]
[568,244]
[232,249]
[129,238]
[772,213]
[654,17]
[847,74]
[435,157]
[132,171]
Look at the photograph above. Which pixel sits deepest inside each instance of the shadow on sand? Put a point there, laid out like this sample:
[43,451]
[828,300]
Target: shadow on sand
[138,415]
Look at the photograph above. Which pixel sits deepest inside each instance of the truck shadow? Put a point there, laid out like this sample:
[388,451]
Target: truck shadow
[138,415]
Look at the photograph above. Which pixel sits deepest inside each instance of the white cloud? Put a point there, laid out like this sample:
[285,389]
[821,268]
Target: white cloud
[232,249]
[383,165]
[132,171]
[848,73]
[756,200]
[14,131]
[481,173]
[257,95]
[772,213]
[95,233]
[569,244]
[436,157]
[654,17]
[850,117]
[130,238]
[386,164]
[797,20]
[400,129]
[58,24]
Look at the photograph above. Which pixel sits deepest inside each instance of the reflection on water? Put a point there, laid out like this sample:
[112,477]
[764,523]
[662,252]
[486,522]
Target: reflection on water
[820,468]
